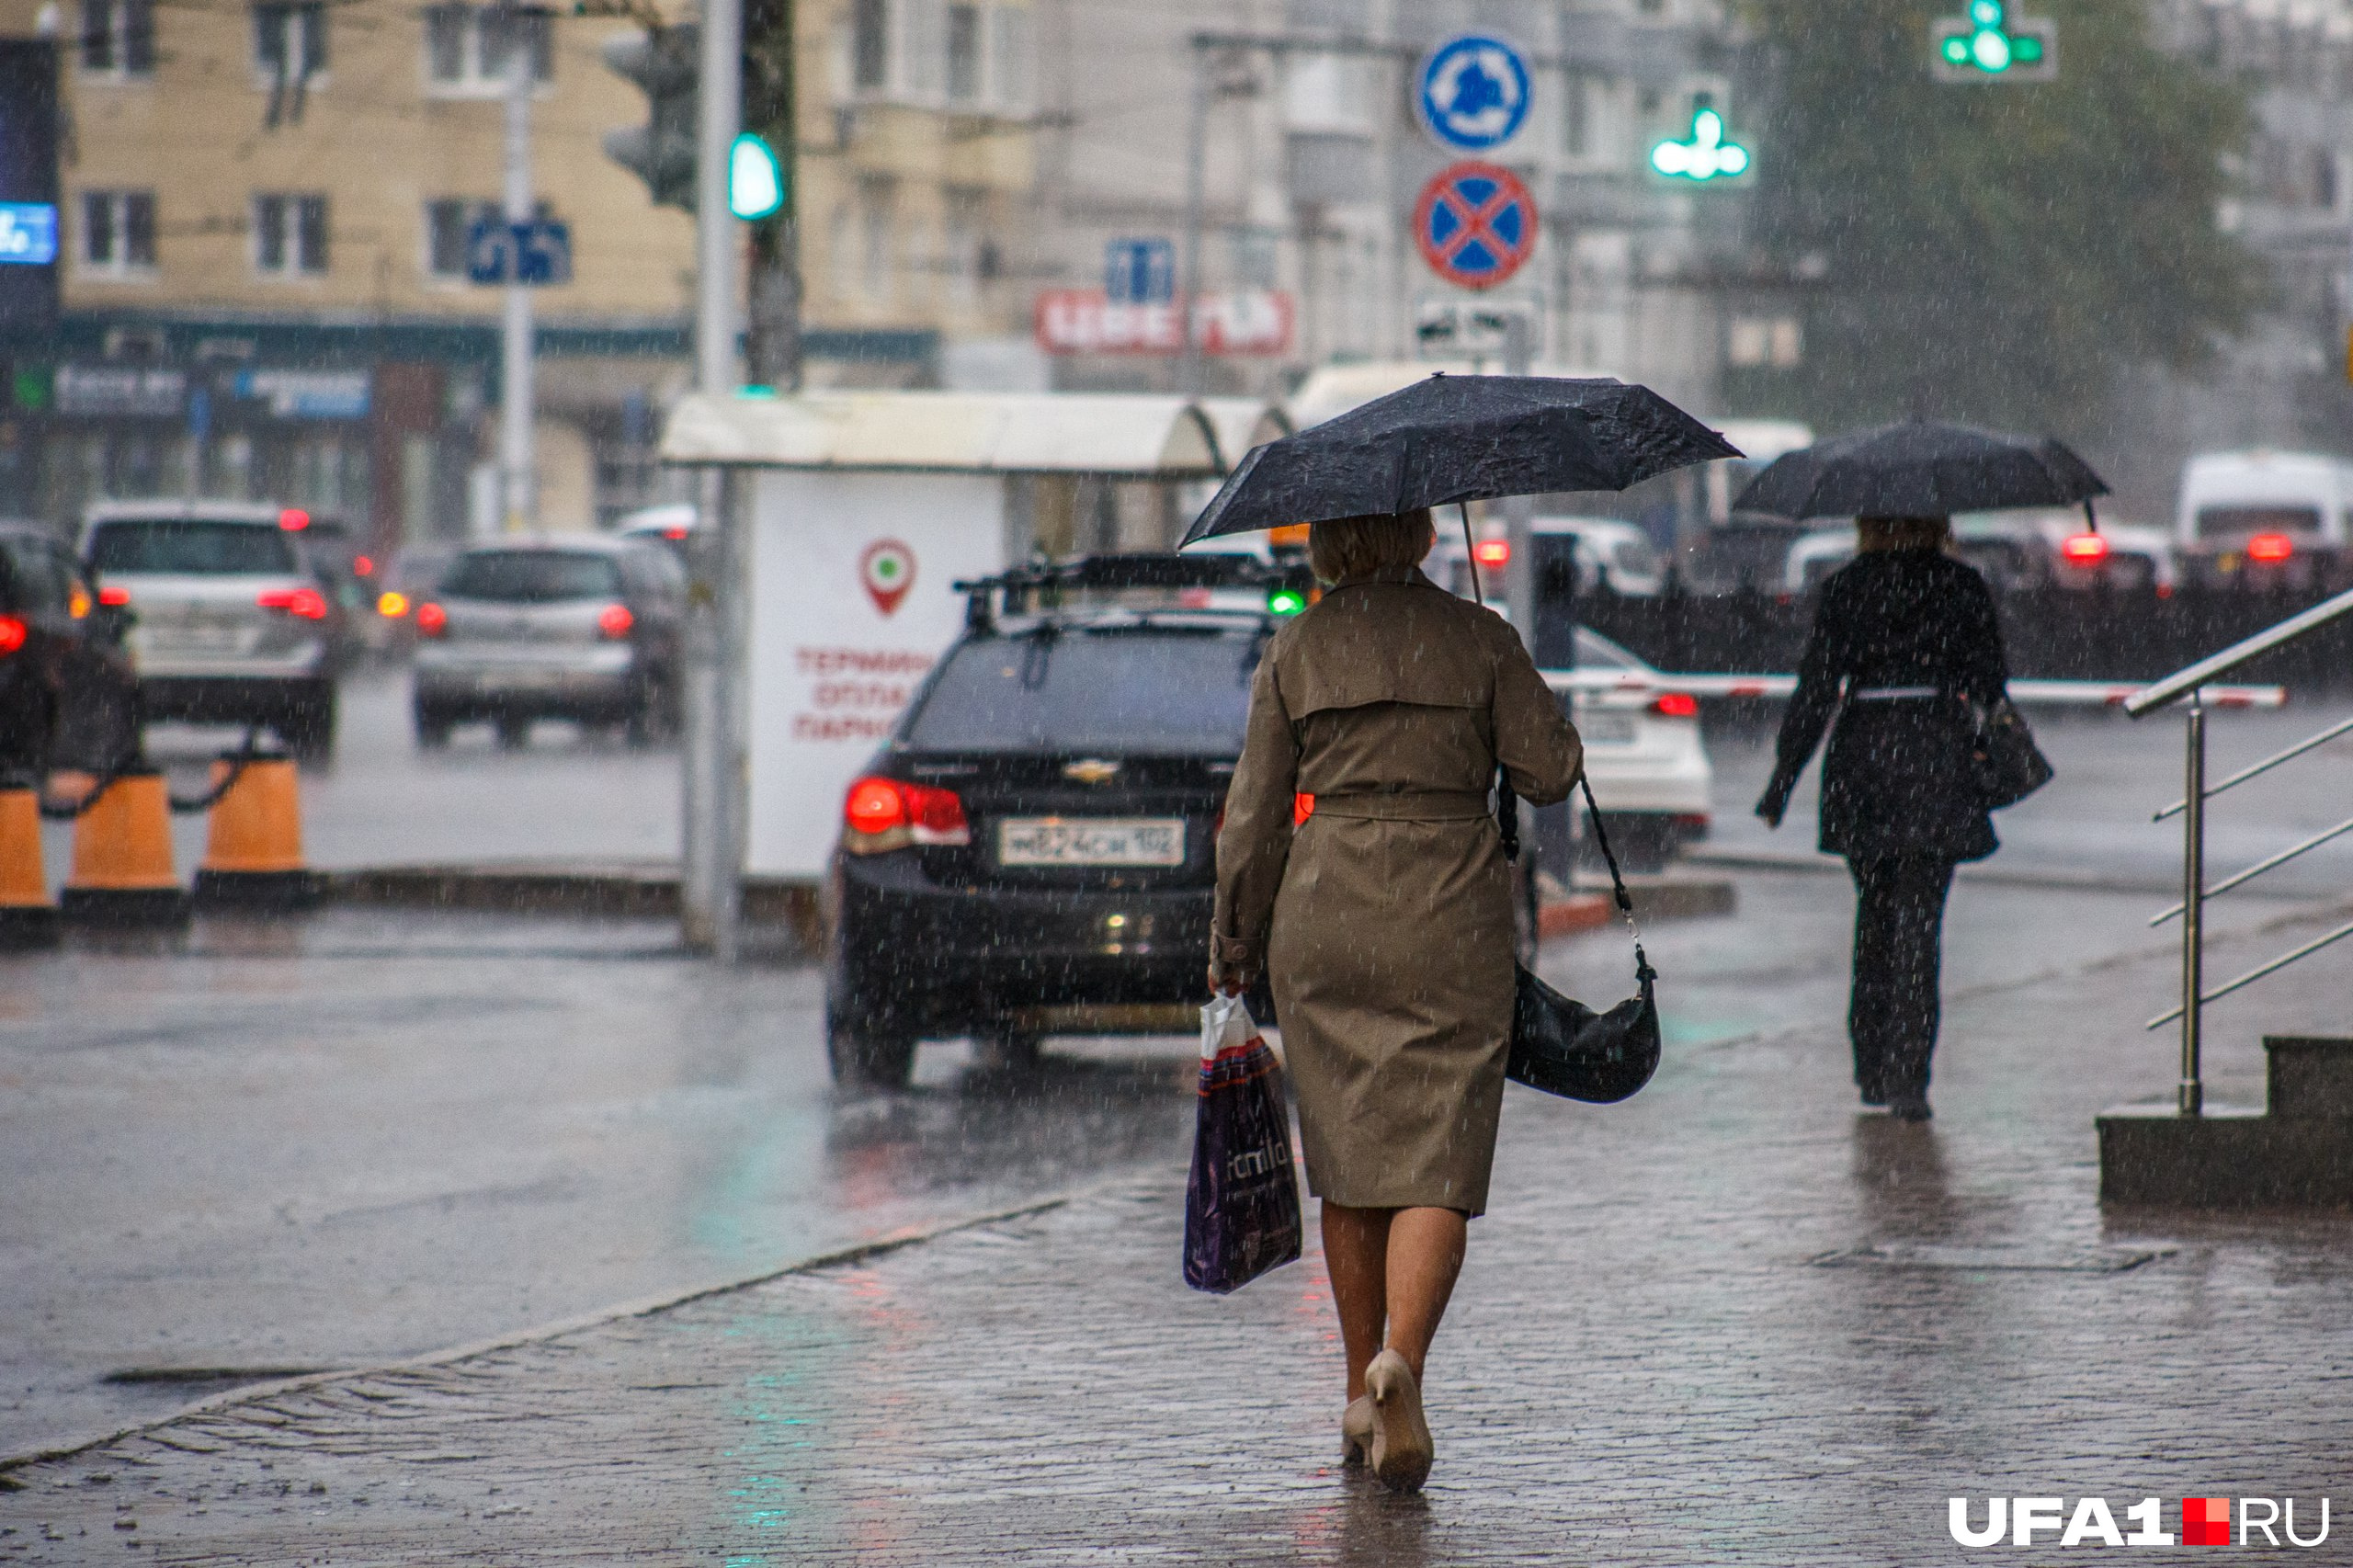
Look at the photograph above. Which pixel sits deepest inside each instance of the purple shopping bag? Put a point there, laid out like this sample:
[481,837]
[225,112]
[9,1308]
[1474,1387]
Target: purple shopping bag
[1242,1205]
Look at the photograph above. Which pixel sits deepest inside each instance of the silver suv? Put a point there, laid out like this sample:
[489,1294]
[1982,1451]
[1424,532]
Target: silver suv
[229,622]
[585,628]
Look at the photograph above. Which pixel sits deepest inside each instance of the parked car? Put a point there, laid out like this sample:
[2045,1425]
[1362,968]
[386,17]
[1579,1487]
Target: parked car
[670,524]
[68,696]
[229,623]
[1593,548]
[2267,517]
[586,629]
[1644,754]
[1040,831]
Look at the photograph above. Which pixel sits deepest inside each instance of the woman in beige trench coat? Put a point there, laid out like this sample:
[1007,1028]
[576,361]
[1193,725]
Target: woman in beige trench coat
[1361,866]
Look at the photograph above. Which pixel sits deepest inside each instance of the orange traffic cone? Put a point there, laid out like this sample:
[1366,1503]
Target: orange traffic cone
[27,919]
[252,849]
[123,859]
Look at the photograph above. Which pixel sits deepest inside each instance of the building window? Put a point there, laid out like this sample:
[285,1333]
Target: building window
[967,240]
[118,38]
[963,53]
[446,223]
[466,48]
[291,235]
[118,231]
[877,203]
[870,45]
[1009,63]
[290,40]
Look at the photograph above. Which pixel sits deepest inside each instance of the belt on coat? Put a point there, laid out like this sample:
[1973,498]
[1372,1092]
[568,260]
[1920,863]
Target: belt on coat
[1395,806]
[1893,693]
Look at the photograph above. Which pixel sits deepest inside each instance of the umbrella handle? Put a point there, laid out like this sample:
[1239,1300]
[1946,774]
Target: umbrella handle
[1470,553]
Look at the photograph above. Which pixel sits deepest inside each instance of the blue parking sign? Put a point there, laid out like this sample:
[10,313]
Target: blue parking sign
[1474,93]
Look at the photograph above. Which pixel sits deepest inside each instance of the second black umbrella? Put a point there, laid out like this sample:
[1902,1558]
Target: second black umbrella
[1920,468]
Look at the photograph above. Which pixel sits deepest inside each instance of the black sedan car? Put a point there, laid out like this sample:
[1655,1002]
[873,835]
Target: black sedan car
[68,696]
[1035,848]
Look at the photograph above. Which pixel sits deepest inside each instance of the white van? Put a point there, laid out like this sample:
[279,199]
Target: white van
[2265,514]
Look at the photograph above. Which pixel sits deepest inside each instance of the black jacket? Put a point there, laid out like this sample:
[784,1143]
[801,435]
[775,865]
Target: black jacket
[1897,778]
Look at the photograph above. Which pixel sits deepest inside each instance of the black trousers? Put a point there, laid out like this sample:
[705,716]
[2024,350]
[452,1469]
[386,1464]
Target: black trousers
[1893,1012]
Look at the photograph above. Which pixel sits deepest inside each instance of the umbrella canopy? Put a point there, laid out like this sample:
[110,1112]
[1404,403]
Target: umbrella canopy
[1460,438]
[1920,470]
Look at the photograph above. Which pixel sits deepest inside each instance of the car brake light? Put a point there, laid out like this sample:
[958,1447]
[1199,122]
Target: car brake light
[114,596]
[883,814]
[308,603]
[363,566]
[391,604]
[1494,551]
[2085,550]
[293,519]
[2270,547]
[432,620]
[1675,705]
[12,634]
[674,535]
[614,621]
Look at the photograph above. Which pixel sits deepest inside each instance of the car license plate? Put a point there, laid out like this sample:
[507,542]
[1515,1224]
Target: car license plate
[1606,728]
[1091,841]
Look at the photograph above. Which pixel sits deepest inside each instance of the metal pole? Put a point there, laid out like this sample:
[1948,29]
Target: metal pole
[2193,902]
[710,885]
[519,499]
[1192,374]
[1519,511]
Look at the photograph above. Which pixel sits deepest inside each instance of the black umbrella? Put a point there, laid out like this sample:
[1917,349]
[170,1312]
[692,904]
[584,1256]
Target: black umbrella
[1920,470]
[1460,438]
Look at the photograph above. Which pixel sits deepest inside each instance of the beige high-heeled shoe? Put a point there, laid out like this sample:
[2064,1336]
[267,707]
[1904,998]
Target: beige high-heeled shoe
[1356,1430]
[1402,1449]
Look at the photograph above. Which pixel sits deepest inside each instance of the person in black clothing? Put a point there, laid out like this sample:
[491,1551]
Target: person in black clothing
[1906,651]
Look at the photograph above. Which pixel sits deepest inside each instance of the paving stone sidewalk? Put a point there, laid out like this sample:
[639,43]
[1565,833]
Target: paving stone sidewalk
[1730,1322]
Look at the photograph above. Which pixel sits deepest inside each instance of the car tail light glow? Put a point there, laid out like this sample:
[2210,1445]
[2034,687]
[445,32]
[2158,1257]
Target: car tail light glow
[363,566]
[1492,551]
[2271,548]
[2085,550]
[114,596]
[391,604]
[883,814]
[293,519]
[12,633]
[1675,705]
[309,604]
[77,604]
[673,534]
[432,620]
[614,621]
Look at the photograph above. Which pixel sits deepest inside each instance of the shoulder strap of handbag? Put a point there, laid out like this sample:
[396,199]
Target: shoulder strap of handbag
[1507,827]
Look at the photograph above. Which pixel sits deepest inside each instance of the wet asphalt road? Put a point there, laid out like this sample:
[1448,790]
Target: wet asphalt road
[365,1135]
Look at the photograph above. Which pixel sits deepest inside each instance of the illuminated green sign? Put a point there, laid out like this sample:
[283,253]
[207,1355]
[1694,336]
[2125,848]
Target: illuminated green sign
[1988,45]
[1707,155]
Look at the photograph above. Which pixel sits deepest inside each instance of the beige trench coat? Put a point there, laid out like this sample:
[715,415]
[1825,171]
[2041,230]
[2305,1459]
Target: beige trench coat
[1384,918]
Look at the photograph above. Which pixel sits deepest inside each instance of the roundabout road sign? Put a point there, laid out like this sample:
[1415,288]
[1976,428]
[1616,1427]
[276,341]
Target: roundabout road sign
[1475,223]
[1474,93]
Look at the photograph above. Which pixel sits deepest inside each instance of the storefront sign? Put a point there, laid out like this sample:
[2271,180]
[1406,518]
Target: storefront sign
[308,394]
[1083,321]
[127,390]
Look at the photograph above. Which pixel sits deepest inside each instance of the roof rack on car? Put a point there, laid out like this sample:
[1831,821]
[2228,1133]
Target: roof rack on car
[1290,585]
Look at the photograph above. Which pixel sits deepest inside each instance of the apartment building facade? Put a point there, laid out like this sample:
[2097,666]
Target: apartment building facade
[263,219]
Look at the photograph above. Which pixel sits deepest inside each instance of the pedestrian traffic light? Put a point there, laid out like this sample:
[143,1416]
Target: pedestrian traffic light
[754,178]
[662,62]
[1989,45]
[1706,157]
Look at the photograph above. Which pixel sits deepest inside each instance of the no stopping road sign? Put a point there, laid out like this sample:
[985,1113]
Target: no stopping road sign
[1475,223]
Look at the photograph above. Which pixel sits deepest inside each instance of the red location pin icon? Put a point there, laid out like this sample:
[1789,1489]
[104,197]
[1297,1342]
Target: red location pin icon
[888,570]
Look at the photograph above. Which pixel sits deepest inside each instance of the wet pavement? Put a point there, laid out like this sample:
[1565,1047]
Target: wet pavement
[1730,1321]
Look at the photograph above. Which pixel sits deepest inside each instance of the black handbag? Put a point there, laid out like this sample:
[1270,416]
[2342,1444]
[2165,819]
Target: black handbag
[2004,763]
[1559,1044]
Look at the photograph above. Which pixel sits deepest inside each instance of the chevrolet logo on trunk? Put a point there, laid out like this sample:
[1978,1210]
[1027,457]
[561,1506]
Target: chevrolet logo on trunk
[1091,770]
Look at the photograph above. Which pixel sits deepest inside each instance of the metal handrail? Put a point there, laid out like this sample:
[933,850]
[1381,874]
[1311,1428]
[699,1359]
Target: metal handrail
[2266,765]
[2193,683]
[2251,976]
[2181,683]
[2271,864]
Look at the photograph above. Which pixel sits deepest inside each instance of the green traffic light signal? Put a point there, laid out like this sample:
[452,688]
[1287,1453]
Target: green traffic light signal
[1285,601]
[1988,46]
[754,178]
[1706,157]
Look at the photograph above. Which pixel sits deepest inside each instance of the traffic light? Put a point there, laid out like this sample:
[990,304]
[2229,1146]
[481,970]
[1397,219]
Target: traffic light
[1988,45]
[1706,157]
[662,61]
[29,230]
[754,178]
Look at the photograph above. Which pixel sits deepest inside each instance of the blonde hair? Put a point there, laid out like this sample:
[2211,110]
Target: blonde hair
[1903,533]
[1358,547]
